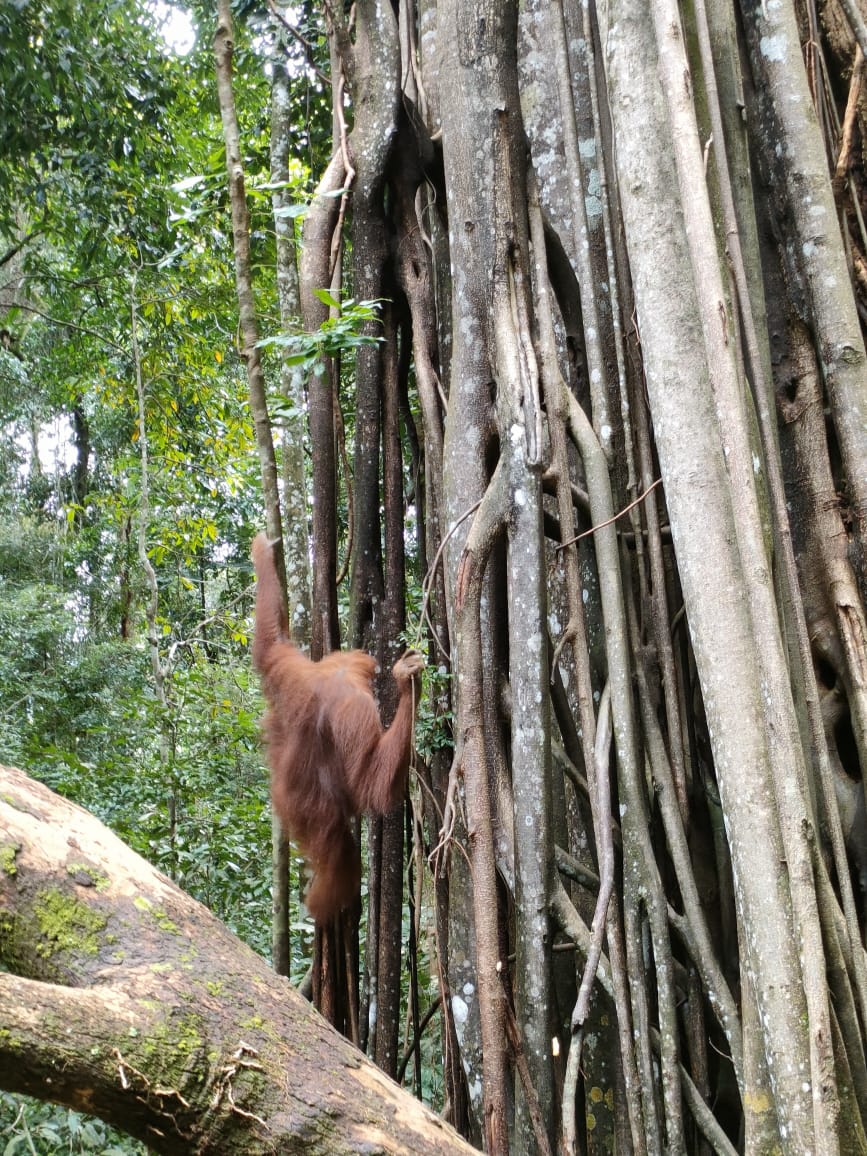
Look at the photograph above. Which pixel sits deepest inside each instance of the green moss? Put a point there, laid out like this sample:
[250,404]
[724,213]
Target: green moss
[189,1039]
[162,920]
[155,1041]
[250,1085]
[66,925]
[10,1041]
[87,876]
[253,1022]
[8,852]
[10,947]
[164,923]
[174,1042]
[214,987]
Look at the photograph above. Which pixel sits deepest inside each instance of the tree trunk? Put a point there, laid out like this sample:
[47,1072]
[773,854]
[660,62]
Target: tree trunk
[130,1001]
[296,542]
[642,859]
[223,46]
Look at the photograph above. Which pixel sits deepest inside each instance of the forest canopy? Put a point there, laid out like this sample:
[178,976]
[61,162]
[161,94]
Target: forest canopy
[532,337]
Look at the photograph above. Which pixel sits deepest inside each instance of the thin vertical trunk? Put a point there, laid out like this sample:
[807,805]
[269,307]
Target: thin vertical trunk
[249,352]
[160,669]
[390,898]
[315,273]
[296,548]
[223,46]
[376,610]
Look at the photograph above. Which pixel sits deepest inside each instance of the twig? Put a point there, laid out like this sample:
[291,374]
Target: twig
[428,791]
[704,1118]
[192,637]
[21,1120]
[348,169]
[425,1020]
[847,131]
[428,578]
[608,521]
[449,813]
[224,1083]
[302,40]
[606,857]
[13,250]
[123,1067]
[65,324]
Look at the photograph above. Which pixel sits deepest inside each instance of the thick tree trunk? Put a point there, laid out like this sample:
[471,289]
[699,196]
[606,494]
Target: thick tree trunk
[723,630]
[616,362]
[128,1000]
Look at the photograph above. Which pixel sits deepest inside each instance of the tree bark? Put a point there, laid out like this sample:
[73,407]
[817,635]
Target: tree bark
[128,1000]
[814,251]
[296,539]
[315,273]
[688,445]
[223,48]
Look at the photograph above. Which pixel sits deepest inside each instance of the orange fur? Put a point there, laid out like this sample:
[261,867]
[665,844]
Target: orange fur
[330,757]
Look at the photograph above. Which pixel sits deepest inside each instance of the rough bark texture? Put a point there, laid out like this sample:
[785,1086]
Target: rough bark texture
[125,998]
[813,245]
[646,824]
[315,273]
[689,446]
[648,851]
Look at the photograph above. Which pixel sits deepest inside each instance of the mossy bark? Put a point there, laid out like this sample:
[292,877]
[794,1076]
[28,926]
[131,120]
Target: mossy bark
[130,1001]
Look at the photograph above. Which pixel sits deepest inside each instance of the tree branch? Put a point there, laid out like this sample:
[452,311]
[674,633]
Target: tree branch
[134,1003]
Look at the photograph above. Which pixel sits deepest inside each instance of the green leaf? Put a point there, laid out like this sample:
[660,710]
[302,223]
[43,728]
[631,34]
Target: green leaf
[296,210]
[327,298]
[188,183]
